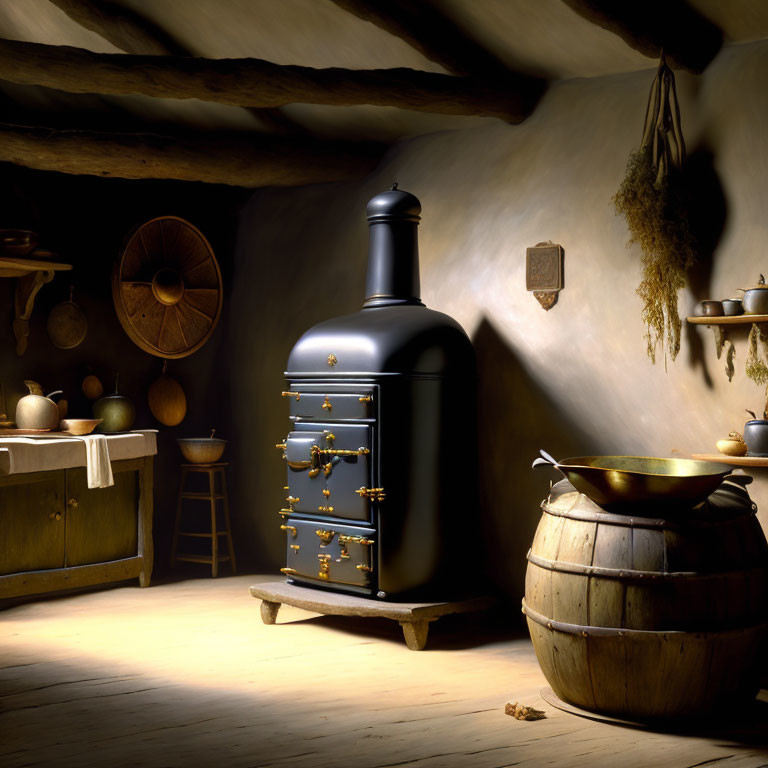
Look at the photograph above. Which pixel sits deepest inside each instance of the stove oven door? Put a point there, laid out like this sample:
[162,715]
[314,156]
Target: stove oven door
[329,470]
[328,553]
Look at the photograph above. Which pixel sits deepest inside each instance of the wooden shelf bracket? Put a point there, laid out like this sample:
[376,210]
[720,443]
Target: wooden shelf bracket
[31,275]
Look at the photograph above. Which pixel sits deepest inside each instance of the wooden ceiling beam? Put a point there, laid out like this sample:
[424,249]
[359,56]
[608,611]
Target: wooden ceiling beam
[133,33]
[235,159]
[258,83]
[121,26]
[426,29]
[689,40]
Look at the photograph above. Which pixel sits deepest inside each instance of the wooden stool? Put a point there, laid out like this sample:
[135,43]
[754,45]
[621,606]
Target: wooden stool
[212,470]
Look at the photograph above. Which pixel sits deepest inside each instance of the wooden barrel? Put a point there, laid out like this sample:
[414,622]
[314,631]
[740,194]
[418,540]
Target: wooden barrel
[645,617]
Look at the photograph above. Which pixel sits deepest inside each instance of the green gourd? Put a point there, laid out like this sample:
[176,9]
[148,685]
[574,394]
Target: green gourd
[116,411]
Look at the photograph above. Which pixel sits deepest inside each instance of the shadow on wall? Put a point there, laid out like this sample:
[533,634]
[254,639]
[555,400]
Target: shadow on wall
[516,418]
[708,214]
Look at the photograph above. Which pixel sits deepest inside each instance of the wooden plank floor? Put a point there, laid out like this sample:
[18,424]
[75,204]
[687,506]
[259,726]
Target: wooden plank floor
[185,674]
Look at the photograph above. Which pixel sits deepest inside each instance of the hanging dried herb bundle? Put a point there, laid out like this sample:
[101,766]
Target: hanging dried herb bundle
[757,366]
[653,200]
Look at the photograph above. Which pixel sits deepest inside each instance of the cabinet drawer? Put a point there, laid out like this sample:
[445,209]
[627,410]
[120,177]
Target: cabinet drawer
[330,406]
[331,554]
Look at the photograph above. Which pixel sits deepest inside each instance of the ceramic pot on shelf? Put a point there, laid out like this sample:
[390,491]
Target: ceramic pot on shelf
[709,308]
[755,301]
[756,436]
[732,307]
[733,445]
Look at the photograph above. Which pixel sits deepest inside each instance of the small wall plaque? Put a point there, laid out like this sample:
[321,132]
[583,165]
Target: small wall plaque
[544,272]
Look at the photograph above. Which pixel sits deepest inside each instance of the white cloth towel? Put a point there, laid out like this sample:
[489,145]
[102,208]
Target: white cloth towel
[98,466]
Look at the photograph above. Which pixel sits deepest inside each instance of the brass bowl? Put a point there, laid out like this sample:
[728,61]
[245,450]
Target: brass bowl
[79,426]
[629,480]
[17,242]
[201,450]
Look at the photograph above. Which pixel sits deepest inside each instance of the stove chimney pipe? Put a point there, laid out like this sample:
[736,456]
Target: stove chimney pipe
[393,251]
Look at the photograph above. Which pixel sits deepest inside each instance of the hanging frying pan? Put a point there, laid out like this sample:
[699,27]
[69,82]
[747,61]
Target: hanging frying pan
[166,288]
[67,324]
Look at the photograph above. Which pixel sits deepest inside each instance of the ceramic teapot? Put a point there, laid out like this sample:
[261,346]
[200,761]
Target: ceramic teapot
[755,301]
[36,411]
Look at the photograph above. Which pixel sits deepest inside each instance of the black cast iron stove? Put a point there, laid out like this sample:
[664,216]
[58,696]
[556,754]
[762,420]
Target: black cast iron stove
[381,456]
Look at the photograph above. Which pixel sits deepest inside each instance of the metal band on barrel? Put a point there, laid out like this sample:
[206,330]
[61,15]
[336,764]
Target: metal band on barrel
[629,574]
[588,631]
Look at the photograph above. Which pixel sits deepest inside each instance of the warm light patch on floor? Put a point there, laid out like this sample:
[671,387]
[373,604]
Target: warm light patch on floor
[186,674]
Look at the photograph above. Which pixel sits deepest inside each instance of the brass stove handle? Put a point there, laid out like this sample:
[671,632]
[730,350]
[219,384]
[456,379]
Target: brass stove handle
[365,399]
[291,528]
[340,452]
[325,536]
[297,395]
[364,568]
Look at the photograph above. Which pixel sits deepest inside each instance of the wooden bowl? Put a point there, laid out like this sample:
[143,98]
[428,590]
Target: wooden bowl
[79,426]
[201,450]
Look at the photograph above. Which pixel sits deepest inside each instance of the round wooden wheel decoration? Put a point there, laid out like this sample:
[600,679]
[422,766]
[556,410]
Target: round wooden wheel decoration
[167,288]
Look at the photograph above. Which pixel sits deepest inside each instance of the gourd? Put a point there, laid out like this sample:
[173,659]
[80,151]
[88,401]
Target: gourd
[167,400]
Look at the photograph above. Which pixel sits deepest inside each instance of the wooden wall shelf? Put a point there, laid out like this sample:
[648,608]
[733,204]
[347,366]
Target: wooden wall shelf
[734,461]
[728,320]
[31,275]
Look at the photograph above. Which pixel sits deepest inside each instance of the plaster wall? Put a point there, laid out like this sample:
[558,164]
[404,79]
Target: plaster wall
[572,380]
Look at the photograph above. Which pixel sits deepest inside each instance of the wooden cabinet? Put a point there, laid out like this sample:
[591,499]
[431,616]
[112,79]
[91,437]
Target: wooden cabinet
[102,523]
[31,522]
[56,533]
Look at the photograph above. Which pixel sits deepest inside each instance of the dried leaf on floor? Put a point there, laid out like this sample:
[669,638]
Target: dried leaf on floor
[522,712]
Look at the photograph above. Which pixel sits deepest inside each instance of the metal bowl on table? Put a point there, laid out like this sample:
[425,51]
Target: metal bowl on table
[628,480]
[202,450]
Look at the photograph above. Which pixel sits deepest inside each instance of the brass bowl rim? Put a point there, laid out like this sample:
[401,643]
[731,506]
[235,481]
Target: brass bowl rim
[723,469]
[201,440]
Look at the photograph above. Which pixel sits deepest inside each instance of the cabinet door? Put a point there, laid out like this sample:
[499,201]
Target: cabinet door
[31,536]
[102,523]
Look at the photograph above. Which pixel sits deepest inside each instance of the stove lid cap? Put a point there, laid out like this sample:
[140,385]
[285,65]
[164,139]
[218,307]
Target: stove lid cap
[393,205]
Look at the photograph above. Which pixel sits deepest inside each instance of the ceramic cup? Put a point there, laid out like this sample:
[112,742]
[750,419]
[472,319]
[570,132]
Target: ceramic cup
[732,307]
[709,308]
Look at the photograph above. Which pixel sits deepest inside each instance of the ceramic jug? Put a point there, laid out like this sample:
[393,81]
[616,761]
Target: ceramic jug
[35,411]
